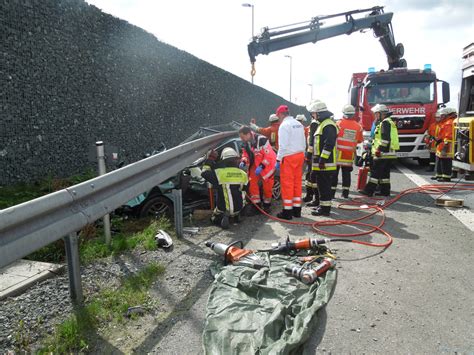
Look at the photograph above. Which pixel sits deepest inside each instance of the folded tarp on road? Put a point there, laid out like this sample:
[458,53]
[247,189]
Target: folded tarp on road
[262,311]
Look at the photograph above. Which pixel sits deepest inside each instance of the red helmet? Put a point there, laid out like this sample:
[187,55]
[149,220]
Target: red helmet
[282,109]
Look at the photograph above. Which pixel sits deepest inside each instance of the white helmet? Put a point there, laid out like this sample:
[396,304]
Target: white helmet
[448,111]
[348,110]
[229,153]
[301,118]
[380,108]
[310,105]
[273,118]
[317,106]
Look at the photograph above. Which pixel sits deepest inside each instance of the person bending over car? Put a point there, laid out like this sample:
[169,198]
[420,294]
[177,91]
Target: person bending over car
[229,181]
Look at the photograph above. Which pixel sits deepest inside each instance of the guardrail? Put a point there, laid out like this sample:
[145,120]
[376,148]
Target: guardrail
[32,225]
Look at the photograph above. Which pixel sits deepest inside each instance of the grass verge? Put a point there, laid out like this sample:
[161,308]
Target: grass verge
[77,333]
[129,238]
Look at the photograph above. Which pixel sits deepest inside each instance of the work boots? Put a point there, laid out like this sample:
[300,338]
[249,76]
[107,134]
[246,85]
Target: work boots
[297,212]
[309,194]
[321,211]
[267,207]
[285,214]
[225,222]
[315,202]
[369,189]
[345,193]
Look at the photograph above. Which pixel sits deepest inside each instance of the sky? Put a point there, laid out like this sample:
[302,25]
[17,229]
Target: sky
[217,31]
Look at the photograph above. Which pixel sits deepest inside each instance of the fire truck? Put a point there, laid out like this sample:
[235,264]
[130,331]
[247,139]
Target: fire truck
[412,94]
[464,125]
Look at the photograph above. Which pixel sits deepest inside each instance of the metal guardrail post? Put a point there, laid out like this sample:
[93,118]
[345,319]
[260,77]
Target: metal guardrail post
[73,267]
[178,212]
[102,171]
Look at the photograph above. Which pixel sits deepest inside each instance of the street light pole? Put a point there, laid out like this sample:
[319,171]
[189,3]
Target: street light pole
[253,22]
[291,69]
[311,85]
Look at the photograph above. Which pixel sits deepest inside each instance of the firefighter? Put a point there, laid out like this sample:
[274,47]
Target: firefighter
[430,140]
[444,145]
[311,199]
[230,182]
[384,146]
[350,134]
[324,158]
[290,161]
[271,132]
[302,119]
[259,157]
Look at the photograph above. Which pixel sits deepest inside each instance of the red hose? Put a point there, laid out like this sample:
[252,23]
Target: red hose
[355,204]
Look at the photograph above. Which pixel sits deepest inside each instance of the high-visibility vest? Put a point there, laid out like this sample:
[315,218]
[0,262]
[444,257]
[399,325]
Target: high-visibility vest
[330,164]
[350,134]
[379,142]
[430,136]
[445,148]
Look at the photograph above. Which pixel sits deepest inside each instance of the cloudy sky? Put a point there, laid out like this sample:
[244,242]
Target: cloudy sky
[432,31]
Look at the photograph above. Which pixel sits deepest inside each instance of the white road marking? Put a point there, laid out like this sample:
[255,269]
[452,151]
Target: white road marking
[464,215]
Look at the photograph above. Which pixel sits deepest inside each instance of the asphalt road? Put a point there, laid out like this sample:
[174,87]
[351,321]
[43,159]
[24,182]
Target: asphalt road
[415,297]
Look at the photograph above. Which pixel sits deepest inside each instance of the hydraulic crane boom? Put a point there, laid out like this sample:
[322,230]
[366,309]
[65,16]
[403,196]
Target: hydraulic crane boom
[271,40]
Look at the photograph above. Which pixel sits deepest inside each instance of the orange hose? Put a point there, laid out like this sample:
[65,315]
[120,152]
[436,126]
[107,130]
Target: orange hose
[354,204]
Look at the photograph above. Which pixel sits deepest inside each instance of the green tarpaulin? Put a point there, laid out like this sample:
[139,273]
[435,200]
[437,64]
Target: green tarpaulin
[262,311]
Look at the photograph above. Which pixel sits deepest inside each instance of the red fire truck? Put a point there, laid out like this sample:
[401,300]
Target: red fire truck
[412,95]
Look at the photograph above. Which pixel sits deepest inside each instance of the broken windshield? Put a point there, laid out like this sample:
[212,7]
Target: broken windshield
[391,93]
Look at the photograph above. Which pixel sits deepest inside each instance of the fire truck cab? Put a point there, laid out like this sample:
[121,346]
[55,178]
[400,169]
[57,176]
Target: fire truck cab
[411,94]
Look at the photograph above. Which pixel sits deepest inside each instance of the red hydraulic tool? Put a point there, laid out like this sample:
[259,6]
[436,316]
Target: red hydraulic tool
[293,247]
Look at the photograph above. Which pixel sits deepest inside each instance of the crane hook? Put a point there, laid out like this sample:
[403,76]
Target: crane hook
[253,71]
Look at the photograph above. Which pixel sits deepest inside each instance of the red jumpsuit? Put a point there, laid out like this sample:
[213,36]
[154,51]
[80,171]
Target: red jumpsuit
[257,153]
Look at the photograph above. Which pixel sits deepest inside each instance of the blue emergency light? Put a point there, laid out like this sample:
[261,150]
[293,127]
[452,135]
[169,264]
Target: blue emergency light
[371,70]
[427,67]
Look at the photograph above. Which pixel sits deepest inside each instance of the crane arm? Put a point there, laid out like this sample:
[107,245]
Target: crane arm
[271,40]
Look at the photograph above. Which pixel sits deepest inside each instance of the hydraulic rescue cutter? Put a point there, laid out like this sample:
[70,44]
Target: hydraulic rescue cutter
[237,255]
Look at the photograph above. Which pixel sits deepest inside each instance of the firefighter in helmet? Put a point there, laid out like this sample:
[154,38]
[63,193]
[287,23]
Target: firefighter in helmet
[311,198]
[350,134]
[384,146]
[445,145]
[324,158]
[230,182]
[271,132]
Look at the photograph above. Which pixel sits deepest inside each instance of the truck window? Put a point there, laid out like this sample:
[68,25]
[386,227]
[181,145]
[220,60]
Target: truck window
[392,93]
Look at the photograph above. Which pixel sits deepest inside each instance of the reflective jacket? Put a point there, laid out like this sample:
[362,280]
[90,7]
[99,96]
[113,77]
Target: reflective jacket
[271,132]
[430,136]
[386,139]
[444,139]
[230,183]
[313,126]
[259,152]
[350,134]
[324,149]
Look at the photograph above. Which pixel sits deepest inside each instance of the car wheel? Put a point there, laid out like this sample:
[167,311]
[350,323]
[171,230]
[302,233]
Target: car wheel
[276,192]
[156,207]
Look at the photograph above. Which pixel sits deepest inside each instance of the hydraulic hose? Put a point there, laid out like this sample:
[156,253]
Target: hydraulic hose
[367,204]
